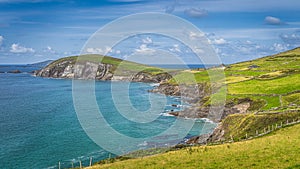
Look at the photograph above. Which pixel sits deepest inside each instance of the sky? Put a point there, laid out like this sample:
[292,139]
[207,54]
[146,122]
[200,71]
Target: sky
[38,30]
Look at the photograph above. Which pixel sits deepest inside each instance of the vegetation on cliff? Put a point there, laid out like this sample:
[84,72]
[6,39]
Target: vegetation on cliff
[266,93]
[102,68]
[260,94]
[276,150]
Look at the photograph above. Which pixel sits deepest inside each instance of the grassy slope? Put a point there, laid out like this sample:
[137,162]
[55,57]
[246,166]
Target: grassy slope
[121,66]
[271,79]
[273,84]
[278,150]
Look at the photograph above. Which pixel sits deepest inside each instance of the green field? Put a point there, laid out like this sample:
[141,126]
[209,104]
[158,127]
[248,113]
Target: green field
[119,67]
[269,80]
[272,85]
[277,150]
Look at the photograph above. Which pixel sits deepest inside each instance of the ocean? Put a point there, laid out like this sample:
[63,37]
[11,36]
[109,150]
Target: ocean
[39,126]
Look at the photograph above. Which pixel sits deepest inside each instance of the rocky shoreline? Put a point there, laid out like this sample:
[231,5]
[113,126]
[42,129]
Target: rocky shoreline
[195,95]
[98,71]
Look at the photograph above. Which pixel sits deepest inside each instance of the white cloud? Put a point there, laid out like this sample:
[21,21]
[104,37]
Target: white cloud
[220,41]
[194,35]
[215,40]
[16,48]
[270,20]
[175,48]
[291,39]
[170,8]
[107,49]
[94,50]
[99,50]
[148,40]
[1,40]
[244,6]
[49,49]
[144,49]
[195,12]
[198,50]
[279,47]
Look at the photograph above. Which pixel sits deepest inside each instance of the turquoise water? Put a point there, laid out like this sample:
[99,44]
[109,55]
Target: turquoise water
[39,126]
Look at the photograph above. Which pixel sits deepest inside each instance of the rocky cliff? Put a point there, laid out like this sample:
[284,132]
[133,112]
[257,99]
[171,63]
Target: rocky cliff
[197,95]
[71,68]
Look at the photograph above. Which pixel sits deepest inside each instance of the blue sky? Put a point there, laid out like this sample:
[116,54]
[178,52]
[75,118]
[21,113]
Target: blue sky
[37,30]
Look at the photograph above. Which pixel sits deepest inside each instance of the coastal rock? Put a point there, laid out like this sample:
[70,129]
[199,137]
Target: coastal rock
[191,93]
[14,71]
[68,68]
[202,139]
[217,135]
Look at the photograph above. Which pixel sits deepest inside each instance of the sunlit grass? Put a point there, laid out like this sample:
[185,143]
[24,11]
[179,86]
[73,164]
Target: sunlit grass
[278,150]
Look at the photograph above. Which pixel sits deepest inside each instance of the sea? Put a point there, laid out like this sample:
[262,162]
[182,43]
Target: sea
[39,127]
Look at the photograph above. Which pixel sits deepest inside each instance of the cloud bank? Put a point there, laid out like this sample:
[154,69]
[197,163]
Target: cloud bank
[196,13]
[270,20]
[16,48]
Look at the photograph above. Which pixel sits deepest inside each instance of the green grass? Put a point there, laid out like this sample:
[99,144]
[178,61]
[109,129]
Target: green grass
[238,125]
[119,67]
[274,86]
[291,99]
[277,150]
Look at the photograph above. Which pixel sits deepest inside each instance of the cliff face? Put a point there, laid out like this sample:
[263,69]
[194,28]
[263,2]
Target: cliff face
[198,97]
[68,68]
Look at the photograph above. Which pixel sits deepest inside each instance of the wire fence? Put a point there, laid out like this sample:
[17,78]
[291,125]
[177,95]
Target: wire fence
[258,133]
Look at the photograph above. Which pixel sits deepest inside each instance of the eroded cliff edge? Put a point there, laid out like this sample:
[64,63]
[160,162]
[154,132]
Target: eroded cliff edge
[197,95]
[107,68]
[258,95]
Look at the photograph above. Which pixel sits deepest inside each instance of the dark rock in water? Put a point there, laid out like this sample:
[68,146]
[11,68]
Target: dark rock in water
[174,113]
[174,105]
[2,72]
[14,71]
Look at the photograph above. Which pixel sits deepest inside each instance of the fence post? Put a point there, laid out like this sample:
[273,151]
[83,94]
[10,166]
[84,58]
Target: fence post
[281,124]
[72,164]
[91,158]
[246,135]
[59,165]
[80,164]
[287,122]
[256,132]
[276,126]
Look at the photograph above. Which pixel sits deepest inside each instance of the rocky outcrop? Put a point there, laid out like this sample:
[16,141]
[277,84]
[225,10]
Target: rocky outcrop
[14,71]
[197,96]
[98,71]
[189,93]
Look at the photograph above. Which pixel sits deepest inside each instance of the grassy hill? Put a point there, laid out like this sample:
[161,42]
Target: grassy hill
[117,64]
[272,84]
[277,150]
